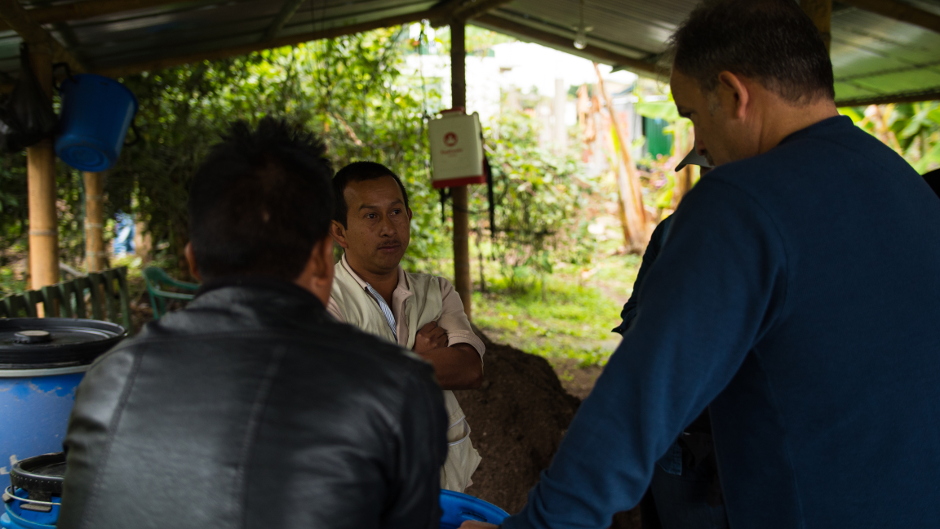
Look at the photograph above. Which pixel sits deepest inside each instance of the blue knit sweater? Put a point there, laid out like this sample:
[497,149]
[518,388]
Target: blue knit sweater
[805,287]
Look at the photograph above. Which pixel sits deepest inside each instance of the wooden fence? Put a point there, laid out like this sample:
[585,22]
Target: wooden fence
[98,296]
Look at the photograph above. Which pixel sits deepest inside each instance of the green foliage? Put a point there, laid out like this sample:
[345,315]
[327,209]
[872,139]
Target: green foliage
[350,89]
[14,217]
[911,129]
[538,197]
[14,211]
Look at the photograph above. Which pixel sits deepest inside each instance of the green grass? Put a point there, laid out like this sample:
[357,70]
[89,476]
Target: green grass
[571,317]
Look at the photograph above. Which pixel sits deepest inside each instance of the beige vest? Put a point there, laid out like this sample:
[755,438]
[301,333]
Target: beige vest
[422,306]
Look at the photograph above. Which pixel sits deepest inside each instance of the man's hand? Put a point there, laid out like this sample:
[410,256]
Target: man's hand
[471,524]
[457,366]
[430,337]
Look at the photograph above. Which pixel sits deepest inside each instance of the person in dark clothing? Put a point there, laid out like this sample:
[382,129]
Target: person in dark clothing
[684,492]
[795,299]
[933,180]
[252,407]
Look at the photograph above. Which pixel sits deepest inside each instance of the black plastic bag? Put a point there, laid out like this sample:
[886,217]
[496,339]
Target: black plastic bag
[26,117]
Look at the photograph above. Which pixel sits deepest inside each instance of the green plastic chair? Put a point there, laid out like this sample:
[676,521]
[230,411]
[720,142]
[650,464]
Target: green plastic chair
[156,279]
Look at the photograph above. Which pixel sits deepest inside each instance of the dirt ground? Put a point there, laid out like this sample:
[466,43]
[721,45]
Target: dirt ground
[518,419]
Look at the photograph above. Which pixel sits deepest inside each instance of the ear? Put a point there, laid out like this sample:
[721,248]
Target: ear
[191,259]
[317,276]
[734,94]
[338,231]
[410,214]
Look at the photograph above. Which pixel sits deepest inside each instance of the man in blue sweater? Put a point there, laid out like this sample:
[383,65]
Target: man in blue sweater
[803,275]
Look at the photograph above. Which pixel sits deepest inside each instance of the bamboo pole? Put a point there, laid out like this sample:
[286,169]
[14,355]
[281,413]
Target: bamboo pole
[94,221]
[820,11]
[628,179]
[458,69]
[40,171]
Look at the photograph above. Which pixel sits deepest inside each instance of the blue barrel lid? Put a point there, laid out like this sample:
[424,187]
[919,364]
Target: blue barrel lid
[27,343]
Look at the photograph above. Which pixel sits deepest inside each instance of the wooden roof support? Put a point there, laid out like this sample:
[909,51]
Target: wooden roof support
[19,20]
[463,10]
[459,194]
[475,8]
[290,40]
[820,12]
[564,43]
[932,94]
[40,182]
[88,9]
[899,11]
[287,11]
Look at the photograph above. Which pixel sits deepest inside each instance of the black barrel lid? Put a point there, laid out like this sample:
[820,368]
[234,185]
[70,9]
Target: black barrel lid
[40,475]
[31,343]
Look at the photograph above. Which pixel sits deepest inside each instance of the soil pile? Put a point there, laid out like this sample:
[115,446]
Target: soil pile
[518,419]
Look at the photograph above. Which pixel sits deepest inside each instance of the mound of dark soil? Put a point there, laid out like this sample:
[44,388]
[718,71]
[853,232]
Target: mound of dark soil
[518,419]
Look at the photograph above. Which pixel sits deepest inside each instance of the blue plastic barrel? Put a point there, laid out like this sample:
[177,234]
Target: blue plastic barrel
[42,360]
[35,497]
[96,113]
[458,508]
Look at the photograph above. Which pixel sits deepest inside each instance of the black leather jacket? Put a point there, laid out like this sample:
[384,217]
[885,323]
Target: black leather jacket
[253,408]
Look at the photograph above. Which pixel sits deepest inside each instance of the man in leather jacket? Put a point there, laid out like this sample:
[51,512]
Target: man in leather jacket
[253,408]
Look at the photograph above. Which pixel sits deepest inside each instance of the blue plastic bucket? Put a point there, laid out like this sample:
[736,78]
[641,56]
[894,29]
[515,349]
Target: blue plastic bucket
[42,360]
[34,499]
[96,113]
[458,508]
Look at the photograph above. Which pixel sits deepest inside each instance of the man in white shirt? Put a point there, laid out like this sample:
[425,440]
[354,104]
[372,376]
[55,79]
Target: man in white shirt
[421,312]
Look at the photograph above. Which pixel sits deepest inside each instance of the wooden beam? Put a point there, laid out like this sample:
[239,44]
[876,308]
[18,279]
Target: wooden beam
[40,177]
[463,10]
[95,255]
[476,8]
[287,11]
[564,43]
[459,194]
[290,40]
[19,20]
[931,94]
[899,11]
[88,9]
[820,12]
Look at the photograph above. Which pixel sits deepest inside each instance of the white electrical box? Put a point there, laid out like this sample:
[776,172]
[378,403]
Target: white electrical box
[456,149]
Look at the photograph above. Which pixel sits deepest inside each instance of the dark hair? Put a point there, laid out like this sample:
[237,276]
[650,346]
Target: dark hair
[260,202]
[359,172]
[771,41]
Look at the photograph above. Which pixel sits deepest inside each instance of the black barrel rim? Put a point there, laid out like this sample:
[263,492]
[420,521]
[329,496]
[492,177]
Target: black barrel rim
[74,342]
[40,475]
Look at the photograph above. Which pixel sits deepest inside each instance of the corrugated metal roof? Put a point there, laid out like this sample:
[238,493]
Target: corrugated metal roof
[873,56]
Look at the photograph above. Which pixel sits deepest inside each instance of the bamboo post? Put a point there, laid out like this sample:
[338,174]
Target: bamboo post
[94,221]
[40,171]
[628,179]
[820,11]
[458,85]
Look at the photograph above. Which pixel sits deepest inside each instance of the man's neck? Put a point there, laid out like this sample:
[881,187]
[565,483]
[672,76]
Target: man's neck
[785,119]
[384,283]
